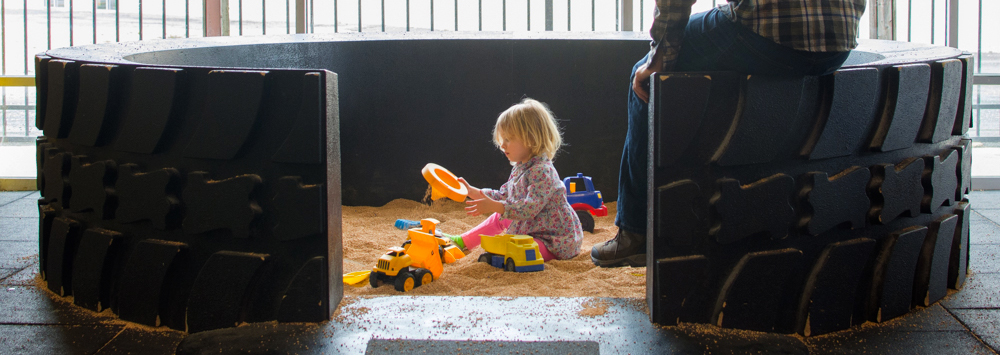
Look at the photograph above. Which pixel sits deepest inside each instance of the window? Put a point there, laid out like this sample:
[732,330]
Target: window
[107,4]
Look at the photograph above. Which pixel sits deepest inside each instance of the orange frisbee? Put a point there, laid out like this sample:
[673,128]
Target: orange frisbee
[443,183]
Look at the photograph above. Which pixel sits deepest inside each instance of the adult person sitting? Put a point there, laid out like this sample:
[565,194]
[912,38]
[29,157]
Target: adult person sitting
[769,37]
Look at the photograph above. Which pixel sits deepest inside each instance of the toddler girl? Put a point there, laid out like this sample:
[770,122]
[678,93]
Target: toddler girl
[533,200]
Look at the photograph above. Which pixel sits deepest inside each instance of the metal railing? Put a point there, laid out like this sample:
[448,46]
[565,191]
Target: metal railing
[942,22]
[36,26]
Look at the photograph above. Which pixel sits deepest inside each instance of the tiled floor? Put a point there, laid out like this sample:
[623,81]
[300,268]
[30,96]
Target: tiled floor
[32,322]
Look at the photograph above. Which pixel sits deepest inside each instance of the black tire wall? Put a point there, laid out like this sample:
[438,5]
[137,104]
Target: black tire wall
[809,205]
[190,197]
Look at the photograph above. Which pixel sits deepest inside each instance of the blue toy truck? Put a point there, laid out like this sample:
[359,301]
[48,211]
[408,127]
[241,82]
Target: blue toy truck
[584,199]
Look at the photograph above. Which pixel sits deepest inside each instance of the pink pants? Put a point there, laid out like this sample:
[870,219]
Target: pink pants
[496,225]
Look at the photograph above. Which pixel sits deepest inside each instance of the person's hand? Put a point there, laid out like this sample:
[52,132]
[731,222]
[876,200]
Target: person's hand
[483,206]
[474,193]
[640,83]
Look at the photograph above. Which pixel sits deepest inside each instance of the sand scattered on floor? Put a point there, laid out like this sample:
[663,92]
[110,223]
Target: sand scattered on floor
[594,307]
[105,316]
[369,232]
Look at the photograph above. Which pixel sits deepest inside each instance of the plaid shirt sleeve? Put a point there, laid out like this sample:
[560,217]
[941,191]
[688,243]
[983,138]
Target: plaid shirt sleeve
[669,19]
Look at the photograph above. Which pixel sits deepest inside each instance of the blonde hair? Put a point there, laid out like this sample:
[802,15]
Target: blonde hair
[533,124]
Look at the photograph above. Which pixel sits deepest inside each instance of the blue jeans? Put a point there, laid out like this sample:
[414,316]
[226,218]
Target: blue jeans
[712,42]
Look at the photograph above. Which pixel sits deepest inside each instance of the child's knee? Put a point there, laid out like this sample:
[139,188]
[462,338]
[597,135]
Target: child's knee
[546,254]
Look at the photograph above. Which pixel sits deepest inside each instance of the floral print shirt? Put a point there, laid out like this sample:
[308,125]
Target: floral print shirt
[535,201]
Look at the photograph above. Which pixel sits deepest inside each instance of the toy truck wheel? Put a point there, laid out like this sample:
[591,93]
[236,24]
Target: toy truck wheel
[422,277]
[405,282]
[509,265]
[375,279]
[485,258]
[586,220]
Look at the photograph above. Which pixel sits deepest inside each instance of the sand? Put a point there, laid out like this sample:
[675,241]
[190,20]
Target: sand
[369,231]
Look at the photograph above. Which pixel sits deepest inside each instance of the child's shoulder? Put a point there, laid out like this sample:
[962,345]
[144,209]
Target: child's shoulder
[541,163]
[543,166]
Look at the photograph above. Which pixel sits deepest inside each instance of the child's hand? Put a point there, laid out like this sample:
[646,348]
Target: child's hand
[480,203]
[483,206]
[474,193]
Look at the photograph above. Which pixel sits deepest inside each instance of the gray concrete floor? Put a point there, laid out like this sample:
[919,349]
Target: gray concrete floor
[33,322]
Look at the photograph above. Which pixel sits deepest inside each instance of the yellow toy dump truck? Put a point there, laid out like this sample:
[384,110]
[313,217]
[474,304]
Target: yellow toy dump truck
[394,267]
[418,264]
[517,253]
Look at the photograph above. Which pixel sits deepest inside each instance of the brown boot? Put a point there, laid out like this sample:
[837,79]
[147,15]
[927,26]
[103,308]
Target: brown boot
[626,248]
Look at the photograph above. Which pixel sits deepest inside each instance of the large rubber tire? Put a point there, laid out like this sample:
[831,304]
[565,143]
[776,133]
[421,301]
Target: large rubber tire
[165,198]
[405,282]
[745,174]
[586,220]
[808,205]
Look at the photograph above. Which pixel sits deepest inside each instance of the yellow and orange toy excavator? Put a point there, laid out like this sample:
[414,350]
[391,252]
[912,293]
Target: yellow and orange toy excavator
[417,262]
[419,259]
